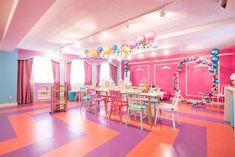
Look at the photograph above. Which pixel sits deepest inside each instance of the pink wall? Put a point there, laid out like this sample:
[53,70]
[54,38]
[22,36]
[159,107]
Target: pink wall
[192,80]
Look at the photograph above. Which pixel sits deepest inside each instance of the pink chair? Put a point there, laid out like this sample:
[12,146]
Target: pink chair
[116,103]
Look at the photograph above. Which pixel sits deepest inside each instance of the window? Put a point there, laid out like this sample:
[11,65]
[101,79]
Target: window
[77,76]
[104,71]
[42,70]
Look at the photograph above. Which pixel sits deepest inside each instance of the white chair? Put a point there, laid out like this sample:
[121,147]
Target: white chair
[169,108]
[220,97]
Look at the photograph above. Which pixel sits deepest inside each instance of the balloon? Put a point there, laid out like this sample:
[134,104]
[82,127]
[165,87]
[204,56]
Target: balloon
[115,47]
[154,44]
[211,69]
[125,61]
[215,59]
[147,42]
[194,103]
[140,39]
[204,62]
[127,50]
[117,51]
[217,81]
[215,51]
[108,50]
[207,100]
[100,49]
[132,44]
[94,53]
[150,35]
[123,43]
[215,65]
[86,51]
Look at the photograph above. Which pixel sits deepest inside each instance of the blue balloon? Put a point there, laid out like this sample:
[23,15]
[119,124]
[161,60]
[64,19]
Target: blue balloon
[215,65]
[207,100]
[211,69]
[100,49]
[215,51]
[125,70]
[204,62]
[125,61]
[117,50]
[215,59]
[217,81]
[115,47]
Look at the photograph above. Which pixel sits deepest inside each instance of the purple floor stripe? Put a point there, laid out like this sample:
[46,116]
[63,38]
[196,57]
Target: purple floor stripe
[120,145]
[204,118]
[62,134]
[191,141]
[6,130]
[207,110]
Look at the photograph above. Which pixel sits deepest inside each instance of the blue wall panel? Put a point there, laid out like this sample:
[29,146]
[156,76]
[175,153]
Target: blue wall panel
[8,76]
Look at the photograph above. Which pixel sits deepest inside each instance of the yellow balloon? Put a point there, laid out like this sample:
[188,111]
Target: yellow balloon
[127,49]
[94,53]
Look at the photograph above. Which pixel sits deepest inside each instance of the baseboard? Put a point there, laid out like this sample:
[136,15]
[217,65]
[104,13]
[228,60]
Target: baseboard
[8,105]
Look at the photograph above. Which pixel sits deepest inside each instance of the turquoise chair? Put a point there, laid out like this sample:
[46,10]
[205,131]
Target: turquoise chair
[136,106]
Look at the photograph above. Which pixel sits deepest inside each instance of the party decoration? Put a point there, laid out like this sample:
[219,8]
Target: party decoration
[125,48]
[126,66]
[150,36]
[132,44]
[212,67]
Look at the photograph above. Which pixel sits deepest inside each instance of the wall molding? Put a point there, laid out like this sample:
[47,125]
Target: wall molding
[175,59]
[138,67]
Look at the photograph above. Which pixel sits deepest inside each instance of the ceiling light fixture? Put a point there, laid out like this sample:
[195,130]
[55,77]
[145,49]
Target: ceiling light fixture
[166,52]
[90,39]
[162,12]
[128,24]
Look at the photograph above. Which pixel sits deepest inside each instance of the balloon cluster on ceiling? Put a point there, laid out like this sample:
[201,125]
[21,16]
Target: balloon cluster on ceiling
[212,67]
[124,48]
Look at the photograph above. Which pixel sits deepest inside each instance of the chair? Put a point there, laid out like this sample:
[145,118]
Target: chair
[135,105]
[220,97]
[116,103]
[169,108]
[88,98]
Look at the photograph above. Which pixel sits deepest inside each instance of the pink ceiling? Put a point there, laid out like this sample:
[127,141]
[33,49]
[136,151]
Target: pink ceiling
[189,25]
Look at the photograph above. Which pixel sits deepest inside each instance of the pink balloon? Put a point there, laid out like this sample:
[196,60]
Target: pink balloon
[132,44]
[154,45]
[123,42]
[140,39]
[150,35]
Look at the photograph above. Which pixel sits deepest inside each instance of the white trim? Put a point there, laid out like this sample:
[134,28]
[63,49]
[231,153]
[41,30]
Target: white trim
[154,70]
[174,59]
[140,66]
[186,80]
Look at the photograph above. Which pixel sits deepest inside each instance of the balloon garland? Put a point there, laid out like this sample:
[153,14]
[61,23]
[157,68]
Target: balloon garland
[126,66]
[124,48]
[212,67]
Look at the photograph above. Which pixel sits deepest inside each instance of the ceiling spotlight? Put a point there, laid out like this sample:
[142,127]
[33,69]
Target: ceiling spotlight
[128,24]
[166,52]
[153,54]
[90,39]
[162,12]
[140,55]
[77,44]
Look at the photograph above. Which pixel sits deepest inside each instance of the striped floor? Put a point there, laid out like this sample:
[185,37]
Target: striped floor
[30,131]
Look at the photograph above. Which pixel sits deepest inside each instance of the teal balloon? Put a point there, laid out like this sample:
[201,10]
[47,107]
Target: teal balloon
[204,62]
[115,47]
[207,101]
[215,65]
[215,59]
[217,81]
[211,69]
[117,50]
[215,51]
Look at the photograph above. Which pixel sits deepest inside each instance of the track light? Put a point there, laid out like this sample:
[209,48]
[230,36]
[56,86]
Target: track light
[162,12]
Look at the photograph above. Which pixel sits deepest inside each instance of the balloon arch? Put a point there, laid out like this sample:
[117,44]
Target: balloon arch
[212,67]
